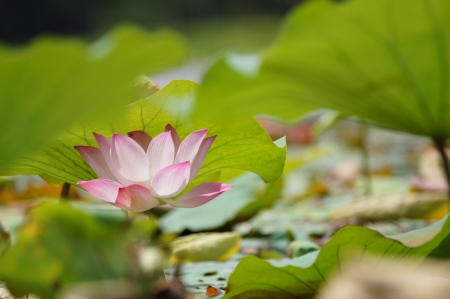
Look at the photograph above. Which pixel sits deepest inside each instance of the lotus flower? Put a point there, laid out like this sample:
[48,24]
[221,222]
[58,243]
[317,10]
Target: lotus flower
[137,173]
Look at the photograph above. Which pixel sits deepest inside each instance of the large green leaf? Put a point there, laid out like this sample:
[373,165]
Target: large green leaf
[55,81]
[248,147]
[235,84]
[254,278]
[60,246]
[383,60]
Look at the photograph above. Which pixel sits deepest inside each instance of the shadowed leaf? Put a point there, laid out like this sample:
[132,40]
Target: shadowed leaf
[54,81]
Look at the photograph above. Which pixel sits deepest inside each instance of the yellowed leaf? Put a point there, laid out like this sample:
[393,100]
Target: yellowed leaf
[205,247]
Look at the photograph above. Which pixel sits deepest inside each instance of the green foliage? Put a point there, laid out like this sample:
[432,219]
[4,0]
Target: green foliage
[240,81]
[56,81]
[59,246]
[256,278]
[247,147]
[363,58]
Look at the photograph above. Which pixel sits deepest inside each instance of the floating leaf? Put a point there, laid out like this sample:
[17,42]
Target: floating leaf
[301,247]
[205,247]
[247,198]
[195,276]
[206,217]
[56,81]
[60,246]
[238,200]
[256,278]
[247,147]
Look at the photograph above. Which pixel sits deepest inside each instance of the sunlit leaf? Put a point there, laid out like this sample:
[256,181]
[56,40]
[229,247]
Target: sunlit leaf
[365,58]
[205,247]
[59,246]
[256,278]
[247,147]
[226,87]
[55,81]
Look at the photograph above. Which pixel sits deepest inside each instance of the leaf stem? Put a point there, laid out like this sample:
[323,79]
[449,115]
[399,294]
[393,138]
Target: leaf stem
[440,145]
[365,163]
[64,192]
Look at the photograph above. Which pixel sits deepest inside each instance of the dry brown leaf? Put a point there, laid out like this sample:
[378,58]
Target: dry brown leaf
[375,280]
[346,171]
[390,207]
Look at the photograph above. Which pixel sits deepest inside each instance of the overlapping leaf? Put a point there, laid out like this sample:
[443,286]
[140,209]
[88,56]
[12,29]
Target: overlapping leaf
[254,91]
[56,81]
[254,278]
[247,147]
[386,61]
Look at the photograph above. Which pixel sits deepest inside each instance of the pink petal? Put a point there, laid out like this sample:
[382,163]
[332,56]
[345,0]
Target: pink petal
[104,145]
[161,152]
[135,198]
[176,139]
[129,158]
[93,156]
[101,188]
[190,146]
[171,180]
[200,157]
[142,138]
[105,148]
[199,195]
